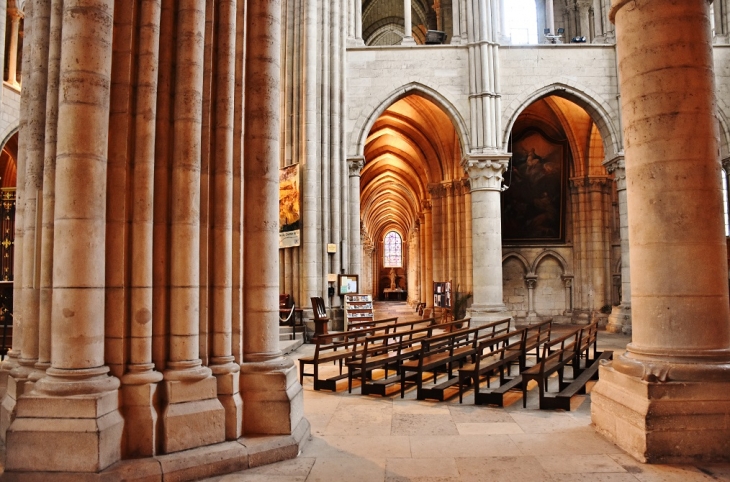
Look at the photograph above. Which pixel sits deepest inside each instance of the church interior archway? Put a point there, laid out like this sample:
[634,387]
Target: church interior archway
[560,198]
[413,184]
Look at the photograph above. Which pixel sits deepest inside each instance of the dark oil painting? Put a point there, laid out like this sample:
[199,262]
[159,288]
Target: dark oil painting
[532,206]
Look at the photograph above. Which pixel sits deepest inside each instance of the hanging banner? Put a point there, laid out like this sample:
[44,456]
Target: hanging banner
[289,207]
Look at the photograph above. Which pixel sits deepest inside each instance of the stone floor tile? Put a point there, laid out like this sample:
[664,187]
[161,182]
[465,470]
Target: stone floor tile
[502,469]
[431,469]
[549,421]
[351,469]
[498,428]
[373,448]
[425,407]
[364,420]
[596,477]
[575,442]
[295,470]
[463,446]
[479,414]
[662,473]
[576,464]
[420,424]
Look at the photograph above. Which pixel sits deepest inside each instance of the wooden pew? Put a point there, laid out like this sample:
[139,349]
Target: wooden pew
[497,354]
[476,335]
[556,354]
[535,336]
[336,348]
[386,351]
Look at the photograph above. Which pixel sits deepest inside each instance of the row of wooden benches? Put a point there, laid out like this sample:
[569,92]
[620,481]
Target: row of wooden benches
[412,349]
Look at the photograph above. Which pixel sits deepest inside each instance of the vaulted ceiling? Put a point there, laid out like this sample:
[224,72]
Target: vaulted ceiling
[413,144]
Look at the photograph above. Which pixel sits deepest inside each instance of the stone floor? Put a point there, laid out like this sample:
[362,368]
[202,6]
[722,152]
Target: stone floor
[356,438]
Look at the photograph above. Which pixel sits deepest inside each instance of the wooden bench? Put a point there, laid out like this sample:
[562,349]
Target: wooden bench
[535,336]
[452,350]
[556,354]
[359,325]
[386,351]
[561,400]
[336,348]
[493,355]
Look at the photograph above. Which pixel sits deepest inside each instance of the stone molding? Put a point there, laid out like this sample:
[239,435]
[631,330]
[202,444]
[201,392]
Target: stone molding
[617,166]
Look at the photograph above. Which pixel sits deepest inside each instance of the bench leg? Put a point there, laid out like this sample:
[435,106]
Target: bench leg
[301,373]
[316,376]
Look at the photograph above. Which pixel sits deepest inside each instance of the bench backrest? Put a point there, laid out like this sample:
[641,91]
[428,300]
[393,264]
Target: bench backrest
[537,334]
[503,345]
[558,351]
[319,309]
[359,325]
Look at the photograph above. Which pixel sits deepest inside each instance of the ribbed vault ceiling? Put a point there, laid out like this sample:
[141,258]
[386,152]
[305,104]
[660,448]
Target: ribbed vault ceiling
[413,144]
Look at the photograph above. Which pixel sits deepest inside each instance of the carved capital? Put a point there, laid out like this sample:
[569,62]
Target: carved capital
[436,190]
[567,281]
[531,281]
[426,205]
[617,166]
[486,172]
[355,165]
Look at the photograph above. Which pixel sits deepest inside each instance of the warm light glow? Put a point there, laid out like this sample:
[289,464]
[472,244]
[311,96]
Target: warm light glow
[521,20]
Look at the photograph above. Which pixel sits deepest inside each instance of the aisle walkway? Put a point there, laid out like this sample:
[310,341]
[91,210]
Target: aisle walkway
[356,438]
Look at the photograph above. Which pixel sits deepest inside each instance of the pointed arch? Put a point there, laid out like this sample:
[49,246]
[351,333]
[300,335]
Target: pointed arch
[722,115]
[420,89]
[581,95]
[520,258]
[548,253]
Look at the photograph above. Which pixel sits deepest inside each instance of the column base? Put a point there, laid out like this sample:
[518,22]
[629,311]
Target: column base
[84,433]
[273,399]
[663,422]
[229,394]
[408,41]
[15,388]
[193,416]
[483,314]
[619,321]
[141,414]
[355,42]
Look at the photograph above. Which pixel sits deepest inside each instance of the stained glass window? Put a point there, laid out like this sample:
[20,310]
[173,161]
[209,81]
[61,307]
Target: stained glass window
[393,257]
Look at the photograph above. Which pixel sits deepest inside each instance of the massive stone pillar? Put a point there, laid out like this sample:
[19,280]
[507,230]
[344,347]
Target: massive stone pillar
[485,175]
[273,397]
[620,319]
[190,389]
[355,166]
[85,430]
[667,398]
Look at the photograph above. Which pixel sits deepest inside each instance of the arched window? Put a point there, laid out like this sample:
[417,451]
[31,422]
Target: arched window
[521,21]
[393,252]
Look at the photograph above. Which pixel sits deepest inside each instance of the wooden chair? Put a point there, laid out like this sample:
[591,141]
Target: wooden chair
[320,316]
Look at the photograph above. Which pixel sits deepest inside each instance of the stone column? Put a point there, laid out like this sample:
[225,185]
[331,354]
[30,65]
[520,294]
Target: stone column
[722,18]
[222,360]
[15,17]
[620,319]
[139,383]
[485,174]
[355,165]
[407,24]
[35,90]
[273,397]
[190,388]
[77,388]
[568,283]
[456,21]
[584,21]
[531,283]
[550,16]
[428,251]
[358,22]
[667,398]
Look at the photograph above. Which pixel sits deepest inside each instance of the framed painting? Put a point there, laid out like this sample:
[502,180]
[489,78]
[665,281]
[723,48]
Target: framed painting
[533,207]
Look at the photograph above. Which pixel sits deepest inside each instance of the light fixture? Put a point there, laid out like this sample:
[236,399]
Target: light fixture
[553,38]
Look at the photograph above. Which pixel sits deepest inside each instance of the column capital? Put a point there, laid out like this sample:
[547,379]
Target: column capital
[355,165]
[436,190]
[485,171]
[726,164]
[616,165]
[15,13]
[426,205]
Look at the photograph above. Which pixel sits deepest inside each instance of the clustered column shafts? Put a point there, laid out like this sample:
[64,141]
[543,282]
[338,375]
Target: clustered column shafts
[49,187]
[35,90]
[261,181]
[184,361]
[140,366]
[79,217]
[15,17]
